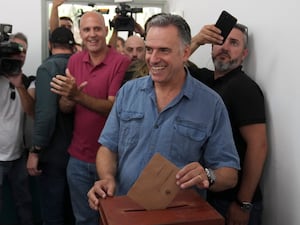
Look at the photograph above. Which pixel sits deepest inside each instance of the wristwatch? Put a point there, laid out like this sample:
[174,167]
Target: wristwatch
[210,176]
[245,206]
[35,149]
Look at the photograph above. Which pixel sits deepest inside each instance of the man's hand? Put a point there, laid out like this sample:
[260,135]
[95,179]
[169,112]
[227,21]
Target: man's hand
[66,105]
[32,164]
[101,189]
[191,175]
[236,215]
[139,29]
[57,3]
[66,86]
[209,34]
[16,80]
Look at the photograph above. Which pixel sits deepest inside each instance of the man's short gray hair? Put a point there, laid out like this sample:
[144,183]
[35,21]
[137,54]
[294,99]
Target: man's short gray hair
[166,19]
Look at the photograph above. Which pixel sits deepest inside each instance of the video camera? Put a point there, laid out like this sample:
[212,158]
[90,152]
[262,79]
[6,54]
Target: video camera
[8,65]
[124,20]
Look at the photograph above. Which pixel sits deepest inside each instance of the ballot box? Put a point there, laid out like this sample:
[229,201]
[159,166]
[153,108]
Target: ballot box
[187,208]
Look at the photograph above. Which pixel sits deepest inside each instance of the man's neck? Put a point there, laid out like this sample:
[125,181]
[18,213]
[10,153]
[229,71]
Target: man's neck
[165,93]
[56,51]
[98,57]
[218,74]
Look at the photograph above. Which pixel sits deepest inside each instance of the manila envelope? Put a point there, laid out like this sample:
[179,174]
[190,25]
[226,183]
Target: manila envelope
[156,186]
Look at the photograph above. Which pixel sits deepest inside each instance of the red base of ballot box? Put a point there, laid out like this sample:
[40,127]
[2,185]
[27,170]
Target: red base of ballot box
[188,208]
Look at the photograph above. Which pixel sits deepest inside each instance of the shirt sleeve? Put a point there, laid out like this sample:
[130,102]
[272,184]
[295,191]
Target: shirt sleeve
[46,107]
[248,106]
[220,150]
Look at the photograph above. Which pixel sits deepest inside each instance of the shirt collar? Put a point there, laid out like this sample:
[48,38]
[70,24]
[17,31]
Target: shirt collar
[107,59]
[230,74]
[187,90]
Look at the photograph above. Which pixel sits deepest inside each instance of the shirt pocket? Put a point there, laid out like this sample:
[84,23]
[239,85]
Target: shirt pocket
[130,128]
[188,141]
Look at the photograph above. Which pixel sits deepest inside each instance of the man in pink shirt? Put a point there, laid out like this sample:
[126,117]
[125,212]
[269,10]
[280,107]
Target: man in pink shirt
[93,78]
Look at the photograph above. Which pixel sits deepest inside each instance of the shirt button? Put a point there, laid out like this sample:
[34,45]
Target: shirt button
[156,126]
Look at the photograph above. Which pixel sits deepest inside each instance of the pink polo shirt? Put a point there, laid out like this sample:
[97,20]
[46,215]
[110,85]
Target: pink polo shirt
[103,80]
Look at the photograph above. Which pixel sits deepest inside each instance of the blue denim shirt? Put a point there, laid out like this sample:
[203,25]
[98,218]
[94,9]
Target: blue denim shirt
[193,127]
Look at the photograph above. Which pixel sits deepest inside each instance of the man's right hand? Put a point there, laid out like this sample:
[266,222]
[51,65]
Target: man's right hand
[209,34]
[101,189]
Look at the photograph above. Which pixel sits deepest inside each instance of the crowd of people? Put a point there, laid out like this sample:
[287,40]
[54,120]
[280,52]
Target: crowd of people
[103,110]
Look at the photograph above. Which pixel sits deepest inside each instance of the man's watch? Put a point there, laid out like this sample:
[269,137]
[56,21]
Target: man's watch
[210,176]
[35,149]
[245,206]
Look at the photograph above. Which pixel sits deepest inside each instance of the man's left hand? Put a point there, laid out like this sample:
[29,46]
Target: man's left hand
[191,175]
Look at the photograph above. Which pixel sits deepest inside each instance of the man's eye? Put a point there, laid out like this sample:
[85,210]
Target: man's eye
[165,50]
[148,50]
[234,43]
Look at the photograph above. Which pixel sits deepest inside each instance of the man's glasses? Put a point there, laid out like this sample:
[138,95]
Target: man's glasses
[12,91]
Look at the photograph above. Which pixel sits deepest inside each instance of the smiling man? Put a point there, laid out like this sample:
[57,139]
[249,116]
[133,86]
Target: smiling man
[93,78]
[168,112]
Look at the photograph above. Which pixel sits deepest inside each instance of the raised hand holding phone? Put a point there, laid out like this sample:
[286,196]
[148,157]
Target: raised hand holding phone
[225,23]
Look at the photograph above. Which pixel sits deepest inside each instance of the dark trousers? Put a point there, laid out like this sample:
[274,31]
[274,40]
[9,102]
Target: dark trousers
[222,207]
[18,179]
[54,196]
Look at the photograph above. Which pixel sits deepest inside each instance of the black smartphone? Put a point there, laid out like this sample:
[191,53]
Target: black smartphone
[225,23]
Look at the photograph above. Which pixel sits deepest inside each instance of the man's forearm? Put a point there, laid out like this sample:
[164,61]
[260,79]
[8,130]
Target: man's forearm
[226,178]
[255,156]
[54,18]
[102,106]
[106,163]
[252,171]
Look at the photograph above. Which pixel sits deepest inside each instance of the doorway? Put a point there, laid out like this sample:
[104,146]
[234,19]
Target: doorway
[74,9]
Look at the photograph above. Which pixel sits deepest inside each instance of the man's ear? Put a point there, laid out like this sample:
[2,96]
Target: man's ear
[106,30]
[245,53]
[186,53]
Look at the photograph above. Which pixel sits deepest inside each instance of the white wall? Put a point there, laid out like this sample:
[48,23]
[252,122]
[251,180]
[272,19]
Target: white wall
[25,16]
[272,62]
